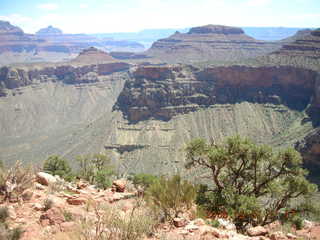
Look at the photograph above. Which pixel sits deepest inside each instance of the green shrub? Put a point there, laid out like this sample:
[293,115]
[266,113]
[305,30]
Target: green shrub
[252,183]
[4,214]
[67,216]
[170,196]
[47,204]
[96,169]
[297,221]
[55,165]
[144,180]
[103,178]
[214,223]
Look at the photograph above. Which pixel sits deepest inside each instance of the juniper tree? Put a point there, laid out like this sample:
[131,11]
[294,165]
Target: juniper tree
[252,183]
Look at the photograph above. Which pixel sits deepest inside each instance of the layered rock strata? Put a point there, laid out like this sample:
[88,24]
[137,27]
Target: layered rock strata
[305,45]
[209,43]
[161,92]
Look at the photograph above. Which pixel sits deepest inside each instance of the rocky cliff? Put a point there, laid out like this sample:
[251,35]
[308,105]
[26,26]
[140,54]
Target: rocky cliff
[49,31]
[144,115]
[12,78]
[209,43]
[67,110]
[93,56]
[306,44]
[166,91]
[50,110]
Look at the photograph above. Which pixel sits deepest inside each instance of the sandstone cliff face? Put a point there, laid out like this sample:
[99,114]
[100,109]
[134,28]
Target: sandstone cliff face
[164,92]
[209,43]
[11,78]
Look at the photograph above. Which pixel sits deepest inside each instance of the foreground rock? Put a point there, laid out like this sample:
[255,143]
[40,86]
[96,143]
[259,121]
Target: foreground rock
[60,219]
[45,178]
[257,231]
[119,185]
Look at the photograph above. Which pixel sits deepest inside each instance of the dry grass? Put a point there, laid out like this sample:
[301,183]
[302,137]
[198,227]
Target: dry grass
[110,223]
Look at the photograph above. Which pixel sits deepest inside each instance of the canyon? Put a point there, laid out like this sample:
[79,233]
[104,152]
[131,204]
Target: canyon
[51,45]
[143,113]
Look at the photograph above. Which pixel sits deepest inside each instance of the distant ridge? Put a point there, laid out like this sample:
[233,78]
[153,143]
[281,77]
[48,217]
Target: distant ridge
[93,55]
[306,44]
[210,43]
[215,29]
[49,31]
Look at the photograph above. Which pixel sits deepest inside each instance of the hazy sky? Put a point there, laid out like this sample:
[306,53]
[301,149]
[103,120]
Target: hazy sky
[93,16]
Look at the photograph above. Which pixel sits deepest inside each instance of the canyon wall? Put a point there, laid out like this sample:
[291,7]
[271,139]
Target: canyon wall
[166,91]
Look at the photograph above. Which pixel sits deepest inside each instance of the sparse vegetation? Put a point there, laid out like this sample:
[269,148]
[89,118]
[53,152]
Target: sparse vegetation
[14,181]
[56,165]
[144,180]
[251,183]
[96,169]
[67,215]
[170,197]
[7,233]
[47,204]
[112,225]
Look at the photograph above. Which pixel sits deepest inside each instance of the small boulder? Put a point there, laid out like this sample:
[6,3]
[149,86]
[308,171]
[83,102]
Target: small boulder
[37,207]
[199,222]
[40,186]
[119,185]
[127,206]
[27,195]
[277,236]
[257,231]
[45,178]
[191,227]
[76,201]
[225,224]
[180,222]
[307,224]
[53,216]
[67,226]
[12,212]
[291,236]
[208,232]
[82,185]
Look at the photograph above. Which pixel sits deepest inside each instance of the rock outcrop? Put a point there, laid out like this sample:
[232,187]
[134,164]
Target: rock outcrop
[12,38]
[213,43]
[11,78]
[52,213]
[49,31]
[309,147]
[7,28]
[306,44]
[216,29]
[93,56]
[161,92]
